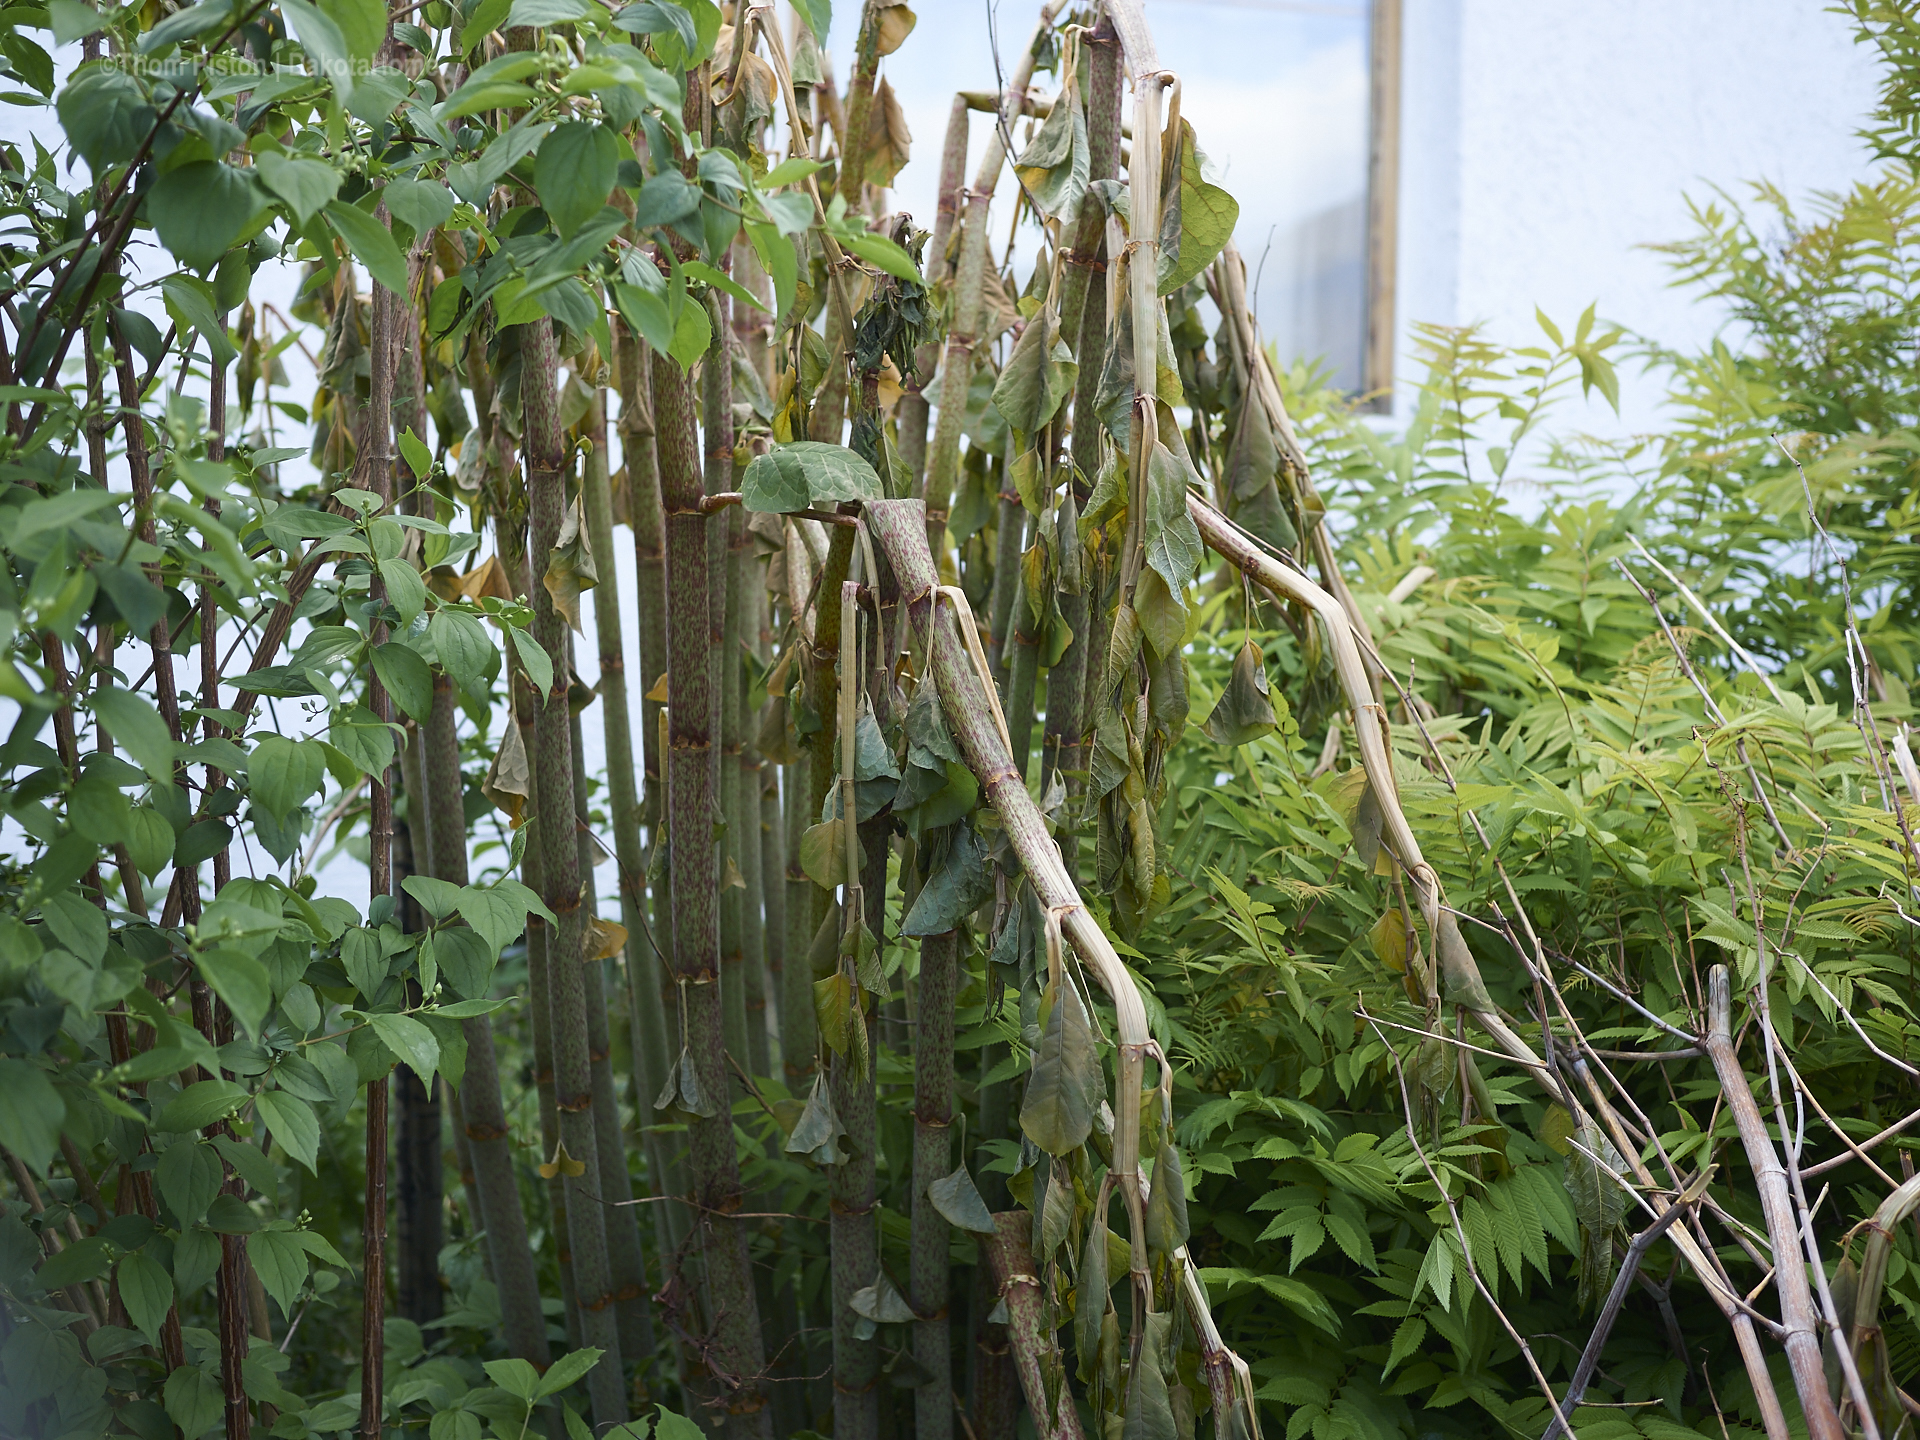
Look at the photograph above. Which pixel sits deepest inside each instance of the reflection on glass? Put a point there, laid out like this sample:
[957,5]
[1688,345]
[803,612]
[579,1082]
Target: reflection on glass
[1282,115]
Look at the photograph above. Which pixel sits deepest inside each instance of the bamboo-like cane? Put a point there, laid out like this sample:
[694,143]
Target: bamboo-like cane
[728,1294]
[956,365]
[898,527]
[560,866]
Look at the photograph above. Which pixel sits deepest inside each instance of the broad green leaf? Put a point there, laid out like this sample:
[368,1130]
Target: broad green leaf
[193,1401]
[496,915]
[692,336]
[819,17]
[412,1041]
[463,647]
[78,925]
[280,1260]
[401,670]
[306,185]
[1244,711]
[439,898]
[539,665]
[147,1291]
[199,1105]
[282,774]
[1038,376]
[1092,1295]
[567,1369]
[33,1112]
[1167,1206]
[362,739]
[189,1176]
[196,1256]
[191,303]
[1197,219]
[371,243]
[422,205]
[576,169]
[958,1200]
[817,1131]
[463,957]
[362,24]
[883,254]
[537,14]
[138,729]
[106,115]
[241,981]
[1149,1410]
[1057,1112]
[807,475]
[960,883]
[516,1377]
[413,449]
[823,853]
[364,960]
[202,208]
[292,1124]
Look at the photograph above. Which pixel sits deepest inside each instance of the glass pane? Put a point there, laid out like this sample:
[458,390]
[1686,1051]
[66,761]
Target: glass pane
[1277,91]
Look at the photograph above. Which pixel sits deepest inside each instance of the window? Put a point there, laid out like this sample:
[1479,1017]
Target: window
[1300,114]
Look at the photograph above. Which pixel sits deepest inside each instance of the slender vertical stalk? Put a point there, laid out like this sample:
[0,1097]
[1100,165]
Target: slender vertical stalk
[737,1346]
[469,1179]
[932,1122]
[560,863]
[726,542]
[912,410]
[651,926]
[851,183]
[418,1228]
[626,1269]
[854,1231]
[1023,675]
[1083,314]
[623,805]
[482,1112]
[753,960]
[1797,1313]
[1009,530]
[1030,1336]
[799,1032]
[540,1018]
[379,452]
[773,889]
[956,370]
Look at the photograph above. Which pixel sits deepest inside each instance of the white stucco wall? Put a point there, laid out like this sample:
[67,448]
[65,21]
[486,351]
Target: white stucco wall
[1543,141]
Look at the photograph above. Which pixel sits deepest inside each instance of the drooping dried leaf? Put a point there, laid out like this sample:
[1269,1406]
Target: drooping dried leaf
[889,140]
[1389,939]
[835,1010]
[881,1302]
[823,853]
[1092,1296]
[605,939]
[488,578]
[818,1131]
[570,566]
[960,882]
[896,23]
[1167,1206]
[958,1200]
[1244,711]
[1368,821]
[509,781]
[1459,973]
[1057,1111]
